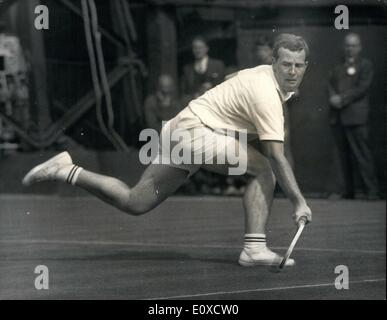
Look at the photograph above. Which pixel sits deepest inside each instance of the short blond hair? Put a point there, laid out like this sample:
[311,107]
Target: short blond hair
[290,42]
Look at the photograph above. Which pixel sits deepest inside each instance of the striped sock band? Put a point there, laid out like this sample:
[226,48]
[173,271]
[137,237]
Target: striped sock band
[73,174]
[255,241]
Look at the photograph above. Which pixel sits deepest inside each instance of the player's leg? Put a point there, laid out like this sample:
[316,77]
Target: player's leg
[258,196]
[257,203]
[156,183]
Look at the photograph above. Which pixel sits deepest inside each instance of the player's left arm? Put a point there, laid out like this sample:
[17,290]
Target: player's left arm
[274,151]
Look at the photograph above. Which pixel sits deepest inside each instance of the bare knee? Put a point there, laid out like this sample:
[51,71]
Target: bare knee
[135,208]
[265,177]
[125,198]
[260,168]
[156,184]
[137,204]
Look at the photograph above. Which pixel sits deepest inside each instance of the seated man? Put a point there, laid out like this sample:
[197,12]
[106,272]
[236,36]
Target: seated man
[163,105]
[203,73]
[14,93]
[250,102]
[263,50]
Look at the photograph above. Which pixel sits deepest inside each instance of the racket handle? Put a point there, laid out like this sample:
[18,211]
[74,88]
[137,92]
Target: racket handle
[303,220]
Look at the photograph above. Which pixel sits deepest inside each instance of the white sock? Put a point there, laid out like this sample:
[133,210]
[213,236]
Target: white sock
[255,241]
[73,175]
[69,173]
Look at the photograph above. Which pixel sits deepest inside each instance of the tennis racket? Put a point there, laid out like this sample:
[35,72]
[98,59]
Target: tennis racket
[301,225]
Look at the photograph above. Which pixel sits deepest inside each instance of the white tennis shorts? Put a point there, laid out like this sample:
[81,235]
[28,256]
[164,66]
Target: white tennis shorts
[187,143]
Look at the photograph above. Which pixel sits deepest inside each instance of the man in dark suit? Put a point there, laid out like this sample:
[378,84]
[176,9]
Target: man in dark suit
[349,85]
[204,73]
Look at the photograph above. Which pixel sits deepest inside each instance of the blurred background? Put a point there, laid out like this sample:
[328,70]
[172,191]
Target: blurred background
[63,89]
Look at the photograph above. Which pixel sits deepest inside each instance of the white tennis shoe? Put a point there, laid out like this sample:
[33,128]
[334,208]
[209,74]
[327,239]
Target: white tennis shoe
[264,257]
[60,167]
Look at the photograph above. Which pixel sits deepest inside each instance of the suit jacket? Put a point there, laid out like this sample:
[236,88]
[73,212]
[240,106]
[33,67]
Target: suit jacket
[354,91]
[192,81]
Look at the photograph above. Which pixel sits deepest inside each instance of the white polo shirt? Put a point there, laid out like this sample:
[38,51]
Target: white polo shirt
[251,100]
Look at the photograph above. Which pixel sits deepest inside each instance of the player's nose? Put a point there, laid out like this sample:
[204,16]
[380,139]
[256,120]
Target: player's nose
[292,70]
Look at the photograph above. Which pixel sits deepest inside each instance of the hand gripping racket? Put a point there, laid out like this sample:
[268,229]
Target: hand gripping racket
[301,224]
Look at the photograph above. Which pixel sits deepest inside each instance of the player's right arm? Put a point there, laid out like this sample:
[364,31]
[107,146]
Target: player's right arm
[274,151]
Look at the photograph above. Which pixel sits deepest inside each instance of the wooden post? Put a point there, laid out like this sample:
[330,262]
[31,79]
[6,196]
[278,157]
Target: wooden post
[127,109]
[162,44]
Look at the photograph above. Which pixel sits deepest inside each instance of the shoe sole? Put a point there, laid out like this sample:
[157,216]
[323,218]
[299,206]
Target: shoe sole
[62,156]
[244,263]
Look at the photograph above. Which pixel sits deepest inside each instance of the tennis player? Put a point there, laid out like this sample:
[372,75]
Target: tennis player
[251,102]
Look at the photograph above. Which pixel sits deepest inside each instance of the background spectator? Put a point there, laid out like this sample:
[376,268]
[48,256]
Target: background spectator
[203,73]
[263,50]
[14,95]
[349,85]
[162,105]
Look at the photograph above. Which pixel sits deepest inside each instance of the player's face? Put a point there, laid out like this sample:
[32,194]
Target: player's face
[199,49]
[289,69]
